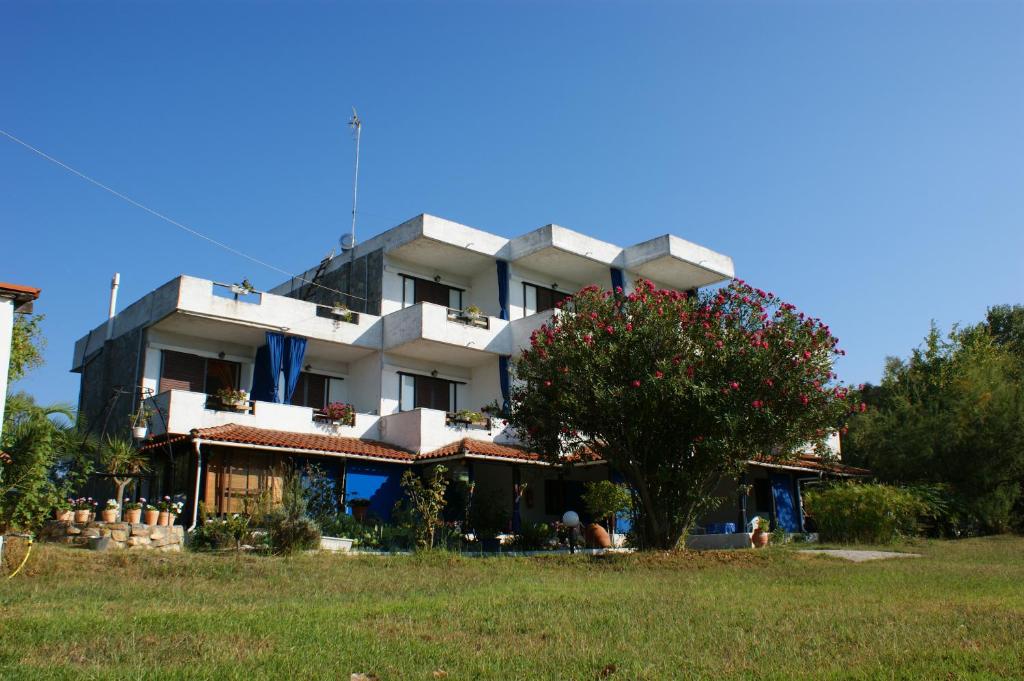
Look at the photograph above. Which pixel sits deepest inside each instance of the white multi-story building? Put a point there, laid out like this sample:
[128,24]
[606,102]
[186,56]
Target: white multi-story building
[411,328]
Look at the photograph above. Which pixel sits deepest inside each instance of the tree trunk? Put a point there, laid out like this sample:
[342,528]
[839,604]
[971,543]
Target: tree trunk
[122,484]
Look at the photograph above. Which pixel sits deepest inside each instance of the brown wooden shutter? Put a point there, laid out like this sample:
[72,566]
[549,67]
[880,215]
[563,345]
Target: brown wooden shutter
[182,372]
[432,393]
[431,292]
[316,395]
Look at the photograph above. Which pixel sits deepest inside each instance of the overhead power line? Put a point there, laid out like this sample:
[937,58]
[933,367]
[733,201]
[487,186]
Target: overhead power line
[167,219]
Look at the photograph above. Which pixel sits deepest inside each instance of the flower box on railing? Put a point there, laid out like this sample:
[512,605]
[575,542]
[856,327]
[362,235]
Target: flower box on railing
[469,318]
[236,405]
[338,314]
[467,419]
[336,413]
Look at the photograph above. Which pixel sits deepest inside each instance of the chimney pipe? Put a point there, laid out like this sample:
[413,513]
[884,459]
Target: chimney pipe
[114,283]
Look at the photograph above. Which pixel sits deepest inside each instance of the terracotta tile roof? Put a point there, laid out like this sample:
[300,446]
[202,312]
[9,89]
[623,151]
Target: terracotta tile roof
[329,444]
[469,446]
[19,292]
[809,462]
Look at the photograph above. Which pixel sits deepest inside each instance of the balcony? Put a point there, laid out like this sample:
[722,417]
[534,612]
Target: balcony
[180,411]
[189,306]
[433,332]
[424,430]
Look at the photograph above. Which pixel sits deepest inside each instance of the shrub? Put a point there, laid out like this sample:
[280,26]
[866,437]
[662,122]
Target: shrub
[605,499]
[866,513]
[289,534]
[535,536]
[230,532]
[289,530]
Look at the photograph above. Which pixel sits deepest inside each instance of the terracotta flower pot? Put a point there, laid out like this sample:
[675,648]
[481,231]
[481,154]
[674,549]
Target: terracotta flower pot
[108,515]
[150,517]
[133,515]
[597,537]
[171,518]
[163,517]
[82,516]
[760,538]
[63,515]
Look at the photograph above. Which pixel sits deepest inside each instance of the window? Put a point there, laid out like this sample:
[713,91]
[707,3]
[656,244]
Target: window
[539,299]
[312,390]
[427,392]
[416,290]
[554,497]
[763,495]
[182,371]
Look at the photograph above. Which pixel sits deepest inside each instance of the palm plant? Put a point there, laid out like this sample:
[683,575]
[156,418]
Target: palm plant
[123,462]
[35,443]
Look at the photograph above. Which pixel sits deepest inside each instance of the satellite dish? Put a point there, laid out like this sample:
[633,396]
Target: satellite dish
[347,242]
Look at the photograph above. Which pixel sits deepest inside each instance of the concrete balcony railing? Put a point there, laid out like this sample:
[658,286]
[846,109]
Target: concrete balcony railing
[192,306]
[434,332]
[424,430]
[181,411]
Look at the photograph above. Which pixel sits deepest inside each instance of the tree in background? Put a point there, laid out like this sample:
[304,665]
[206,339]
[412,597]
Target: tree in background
[952,415]
[605,499]
[677,392]
[27,345]
[426,501]
[120,458]
[47,459]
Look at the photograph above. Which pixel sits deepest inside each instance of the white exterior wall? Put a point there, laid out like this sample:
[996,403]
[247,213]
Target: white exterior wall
[6,335]
[194,315]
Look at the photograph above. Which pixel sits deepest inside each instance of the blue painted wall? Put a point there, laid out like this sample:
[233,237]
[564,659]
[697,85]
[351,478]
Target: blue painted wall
[380,483]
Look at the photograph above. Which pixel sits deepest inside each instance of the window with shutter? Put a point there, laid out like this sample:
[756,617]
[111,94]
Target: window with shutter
[181,371]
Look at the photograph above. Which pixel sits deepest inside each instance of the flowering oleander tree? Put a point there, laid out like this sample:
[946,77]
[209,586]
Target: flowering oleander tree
[677,392]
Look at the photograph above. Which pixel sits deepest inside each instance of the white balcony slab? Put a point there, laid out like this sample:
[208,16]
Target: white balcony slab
[564,255]
[677,263]
[190,306]
[424,430]
[181,411]
[426,331]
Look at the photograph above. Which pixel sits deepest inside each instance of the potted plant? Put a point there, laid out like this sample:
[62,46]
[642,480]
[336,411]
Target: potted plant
[83,509]
[164,507]
[604,500]
[359,506]
[761,534]
[237,400]
[174,510]
[472,313]
[150,514]
[63,512]
[120,458]
[109,512]
[140,422]
[133,510]
[341,310]
[340,413]
[244,288]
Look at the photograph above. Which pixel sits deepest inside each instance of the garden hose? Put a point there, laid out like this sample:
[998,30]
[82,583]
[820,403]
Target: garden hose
[27,552]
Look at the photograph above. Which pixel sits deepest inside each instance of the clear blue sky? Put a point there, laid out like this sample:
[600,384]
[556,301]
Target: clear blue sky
[865,160]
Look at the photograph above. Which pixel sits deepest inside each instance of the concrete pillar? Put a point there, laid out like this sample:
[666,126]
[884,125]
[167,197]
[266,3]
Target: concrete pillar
[6,335]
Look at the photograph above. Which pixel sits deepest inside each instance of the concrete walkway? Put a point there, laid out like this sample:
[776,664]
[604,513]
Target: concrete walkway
[858,556]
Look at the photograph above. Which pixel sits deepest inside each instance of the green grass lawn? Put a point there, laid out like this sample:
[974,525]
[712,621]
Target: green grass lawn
[958,612]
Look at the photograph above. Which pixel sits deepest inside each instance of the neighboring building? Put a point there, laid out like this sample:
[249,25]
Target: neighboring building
[408,353]
[14,299]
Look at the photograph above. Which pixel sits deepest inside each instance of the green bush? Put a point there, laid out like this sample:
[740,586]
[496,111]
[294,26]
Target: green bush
[288,534]
[864,513]
[230,532]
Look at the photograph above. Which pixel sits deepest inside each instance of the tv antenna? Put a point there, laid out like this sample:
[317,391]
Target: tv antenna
[348,241]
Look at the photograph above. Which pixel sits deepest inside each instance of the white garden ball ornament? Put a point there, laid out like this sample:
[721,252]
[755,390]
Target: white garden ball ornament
[571,519]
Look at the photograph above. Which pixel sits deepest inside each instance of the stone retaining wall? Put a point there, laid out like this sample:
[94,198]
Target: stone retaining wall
[101,536]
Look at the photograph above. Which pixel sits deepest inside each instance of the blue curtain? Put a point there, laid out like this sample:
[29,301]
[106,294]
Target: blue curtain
[268,368]
[785,509]
[503,379]
[294,351]
[503,289]
[618,279]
